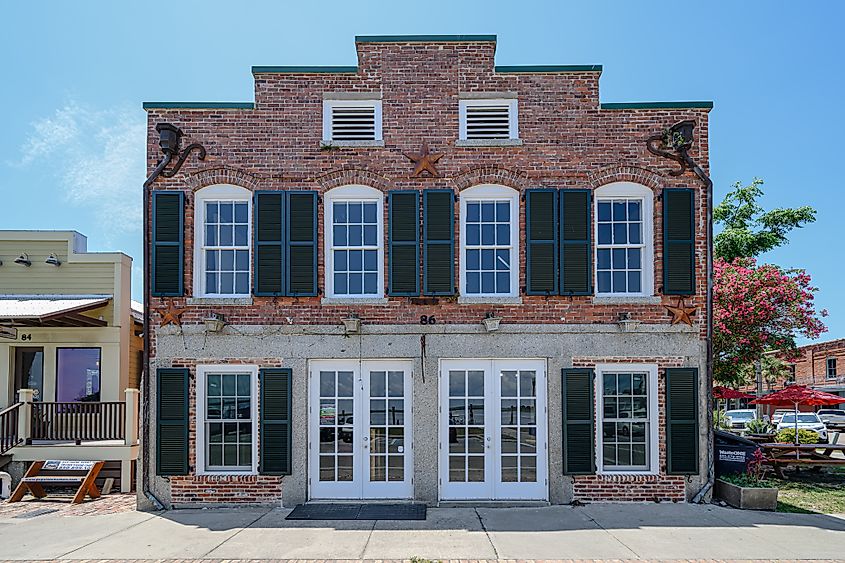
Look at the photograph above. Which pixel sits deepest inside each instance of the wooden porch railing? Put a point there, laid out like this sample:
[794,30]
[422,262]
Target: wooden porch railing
[79,422]
[9,436]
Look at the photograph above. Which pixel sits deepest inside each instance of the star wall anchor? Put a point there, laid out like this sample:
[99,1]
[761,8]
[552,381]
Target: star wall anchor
[425,162]
[171,315]
[681,313]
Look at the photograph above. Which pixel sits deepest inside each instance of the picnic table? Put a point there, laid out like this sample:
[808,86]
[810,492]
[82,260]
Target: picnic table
[815,456]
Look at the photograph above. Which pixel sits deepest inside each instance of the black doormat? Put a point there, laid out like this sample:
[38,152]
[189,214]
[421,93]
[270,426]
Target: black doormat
[327,511]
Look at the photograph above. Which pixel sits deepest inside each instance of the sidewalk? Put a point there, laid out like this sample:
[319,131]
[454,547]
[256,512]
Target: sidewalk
[597,531]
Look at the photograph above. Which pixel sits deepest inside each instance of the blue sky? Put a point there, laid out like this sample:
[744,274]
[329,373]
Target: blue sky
[75,74]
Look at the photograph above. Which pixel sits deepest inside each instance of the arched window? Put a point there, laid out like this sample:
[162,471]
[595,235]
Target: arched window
[624,240]
[354,242]
[222,241]
[489,241]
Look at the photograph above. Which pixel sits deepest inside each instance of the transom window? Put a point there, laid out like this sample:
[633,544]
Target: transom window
[227,416]
[489,232]
[354,242]
[222,261]
[623,240]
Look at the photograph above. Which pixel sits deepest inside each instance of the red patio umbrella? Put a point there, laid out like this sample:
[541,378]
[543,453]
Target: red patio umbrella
[720,392]
[795,395]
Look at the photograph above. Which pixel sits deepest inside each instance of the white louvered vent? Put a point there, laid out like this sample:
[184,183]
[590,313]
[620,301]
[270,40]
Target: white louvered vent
[352,121]
[488,119]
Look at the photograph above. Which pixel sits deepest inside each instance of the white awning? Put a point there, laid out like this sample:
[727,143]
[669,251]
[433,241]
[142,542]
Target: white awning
[50,310]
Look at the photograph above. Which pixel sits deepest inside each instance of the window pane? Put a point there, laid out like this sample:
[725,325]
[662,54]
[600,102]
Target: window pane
[226,235]
[634,285]
[620,233]
[371,260]
[241,235]
[355,212]
[473,212]
[503,211]
[487,211]
[370,213]
[619,211]
[356,284]
[212,214]
[370,235]
[226,212]
[340,284]
[619,285]
[473,234]
[211,235]
[339,212]
[356,237]
[488,234]
[503,234]
[473,282]
[605,230]
[604,211]
[339,235]
[77,374]
[487,282]
[241,212]
[488,259]
[356,260]
[603,259]
[503,282]
[604,282]
[227,283]
[473,259]
[370,283]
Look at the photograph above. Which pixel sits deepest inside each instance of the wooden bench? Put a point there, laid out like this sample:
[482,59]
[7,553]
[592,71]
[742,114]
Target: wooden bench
[60,473]
[814,455]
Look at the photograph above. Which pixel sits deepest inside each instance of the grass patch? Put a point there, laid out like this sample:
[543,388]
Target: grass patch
[808,492]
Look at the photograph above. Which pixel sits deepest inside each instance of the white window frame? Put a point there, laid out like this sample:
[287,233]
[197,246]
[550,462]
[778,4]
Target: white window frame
[628,190]
[220,192]
[653,445]
[491,192]
[329,104]
[200,446]
[353,193]
[513,117]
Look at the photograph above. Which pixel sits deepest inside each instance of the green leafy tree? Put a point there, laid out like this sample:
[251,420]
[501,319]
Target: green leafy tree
[747,229]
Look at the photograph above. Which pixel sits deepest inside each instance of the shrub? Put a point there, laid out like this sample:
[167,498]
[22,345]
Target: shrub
[721,421]
[759,426]
[787,436]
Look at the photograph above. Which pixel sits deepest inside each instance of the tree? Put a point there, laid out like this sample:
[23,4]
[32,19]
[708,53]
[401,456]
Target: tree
[748,230]
[757,309]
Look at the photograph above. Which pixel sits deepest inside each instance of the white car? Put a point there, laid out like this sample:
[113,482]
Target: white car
[740,417]
[807,421]
[778,414]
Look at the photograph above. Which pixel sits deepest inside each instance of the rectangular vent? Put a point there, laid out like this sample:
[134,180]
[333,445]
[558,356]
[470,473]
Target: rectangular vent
[488,119]
[358,120]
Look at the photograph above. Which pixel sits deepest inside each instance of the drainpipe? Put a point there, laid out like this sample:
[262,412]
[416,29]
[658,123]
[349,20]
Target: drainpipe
[679,138]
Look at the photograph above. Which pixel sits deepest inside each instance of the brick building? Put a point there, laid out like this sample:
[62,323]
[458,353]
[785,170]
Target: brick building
[359,320]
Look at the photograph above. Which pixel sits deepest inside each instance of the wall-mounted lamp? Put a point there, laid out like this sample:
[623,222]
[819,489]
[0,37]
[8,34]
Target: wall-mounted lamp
[491,322]
[627,323]
[53,260]
[215,322]
[23,260]
[351,324]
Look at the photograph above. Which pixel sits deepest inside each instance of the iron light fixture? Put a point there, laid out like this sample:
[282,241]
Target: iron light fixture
[53,260]
[491,322]
[627,322]
[23,260]
[215,322]
[170,137]
[351,324]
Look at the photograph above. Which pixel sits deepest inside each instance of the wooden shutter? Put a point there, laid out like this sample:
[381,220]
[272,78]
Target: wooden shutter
[579,456]
[403,259]
[269,235]
[301,252]
[541,242]
[678,241]
[576,265]
[172,421]
[438,242]
[168,244]
[275,441]
[682,421]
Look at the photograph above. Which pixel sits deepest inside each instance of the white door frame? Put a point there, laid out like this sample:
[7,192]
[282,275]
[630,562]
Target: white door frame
[360,487]
[492,487]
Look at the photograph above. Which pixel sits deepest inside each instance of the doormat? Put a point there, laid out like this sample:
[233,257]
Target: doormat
[328,511]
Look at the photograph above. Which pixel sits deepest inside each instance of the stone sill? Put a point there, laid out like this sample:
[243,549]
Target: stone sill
[510,300]
[328,145]
[354,301]
[218,301]
[488,143]
[614,300]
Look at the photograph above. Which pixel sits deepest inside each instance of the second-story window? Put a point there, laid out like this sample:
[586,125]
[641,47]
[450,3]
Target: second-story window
[489,241]
[488,119]
[351,121]
[831,367]
[222,260]
[355,264]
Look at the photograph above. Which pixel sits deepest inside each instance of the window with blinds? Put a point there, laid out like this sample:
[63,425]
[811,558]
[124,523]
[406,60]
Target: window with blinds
[488,119]
[351,120]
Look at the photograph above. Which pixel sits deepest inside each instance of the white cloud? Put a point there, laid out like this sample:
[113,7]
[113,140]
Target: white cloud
[99,156]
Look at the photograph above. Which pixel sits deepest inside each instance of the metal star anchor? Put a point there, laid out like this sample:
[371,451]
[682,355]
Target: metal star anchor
[425,161]
[681,313]
[171,315]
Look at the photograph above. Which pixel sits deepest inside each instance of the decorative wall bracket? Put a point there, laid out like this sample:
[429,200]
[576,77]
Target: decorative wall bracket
[170,138]
[673,143]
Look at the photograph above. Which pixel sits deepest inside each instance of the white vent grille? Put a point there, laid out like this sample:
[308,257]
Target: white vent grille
[488,119]
[352,121]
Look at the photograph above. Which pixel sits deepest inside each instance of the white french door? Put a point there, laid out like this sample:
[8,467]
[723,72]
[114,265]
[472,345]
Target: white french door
[493,429]
[360,429]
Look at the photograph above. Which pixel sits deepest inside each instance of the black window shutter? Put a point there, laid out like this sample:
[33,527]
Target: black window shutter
[682,421]
[301,255]
[275,440]
[269,235]
[172,421]
[541,241]
[168,243]
[578,421]
[403,260]
[678,241]
[576,265]
[438,242]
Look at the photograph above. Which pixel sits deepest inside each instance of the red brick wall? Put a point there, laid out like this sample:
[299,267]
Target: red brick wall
[811,366]
[568,142]
[660,487]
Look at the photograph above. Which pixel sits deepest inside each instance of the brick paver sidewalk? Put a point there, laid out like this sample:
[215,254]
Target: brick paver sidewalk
[61,505]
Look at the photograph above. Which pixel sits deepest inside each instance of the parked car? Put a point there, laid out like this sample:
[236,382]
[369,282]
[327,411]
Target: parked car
[739,417]
[834,419]
[778,414]
[807,421]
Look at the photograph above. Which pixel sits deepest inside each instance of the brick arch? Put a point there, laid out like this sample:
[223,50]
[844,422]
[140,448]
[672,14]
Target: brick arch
[633,174]
[222,175]
[338,178]
[490,175]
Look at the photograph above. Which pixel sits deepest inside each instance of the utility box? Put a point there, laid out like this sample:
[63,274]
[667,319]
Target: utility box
[732,453]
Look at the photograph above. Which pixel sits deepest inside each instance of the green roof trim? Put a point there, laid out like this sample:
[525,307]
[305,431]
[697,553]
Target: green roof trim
[198,105]
[423,38]
[658,105]
[547,68]
[304,70]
